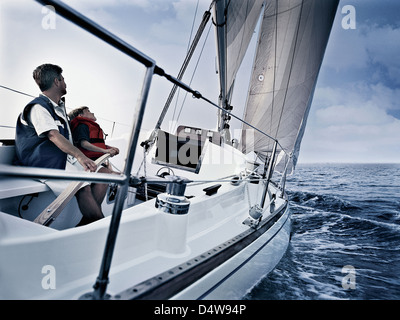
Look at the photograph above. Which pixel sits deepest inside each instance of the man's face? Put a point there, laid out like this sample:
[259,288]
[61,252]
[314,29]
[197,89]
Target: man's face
[60,83]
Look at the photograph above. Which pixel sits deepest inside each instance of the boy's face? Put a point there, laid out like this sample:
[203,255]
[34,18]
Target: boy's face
[88,114]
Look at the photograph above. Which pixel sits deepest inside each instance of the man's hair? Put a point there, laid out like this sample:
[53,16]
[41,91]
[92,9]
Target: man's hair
[76,112]
[45,74]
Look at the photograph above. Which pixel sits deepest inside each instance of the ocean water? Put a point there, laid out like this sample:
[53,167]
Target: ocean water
[345,241]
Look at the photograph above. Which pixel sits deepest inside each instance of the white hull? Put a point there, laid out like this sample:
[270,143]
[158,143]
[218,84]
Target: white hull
[239,274]
[152,247]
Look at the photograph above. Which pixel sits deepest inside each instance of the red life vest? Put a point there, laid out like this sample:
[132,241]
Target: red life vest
[96,136]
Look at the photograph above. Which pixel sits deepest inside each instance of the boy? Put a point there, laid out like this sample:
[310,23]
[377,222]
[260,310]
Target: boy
[87,134]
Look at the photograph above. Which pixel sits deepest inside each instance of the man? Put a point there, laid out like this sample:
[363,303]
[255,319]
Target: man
[87,134]
[43,139]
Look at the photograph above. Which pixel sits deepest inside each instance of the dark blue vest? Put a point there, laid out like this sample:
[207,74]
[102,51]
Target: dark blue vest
[34,151]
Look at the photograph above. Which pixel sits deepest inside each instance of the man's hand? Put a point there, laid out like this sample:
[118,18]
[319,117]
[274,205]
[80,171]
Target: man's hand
[87,164]
[65,146]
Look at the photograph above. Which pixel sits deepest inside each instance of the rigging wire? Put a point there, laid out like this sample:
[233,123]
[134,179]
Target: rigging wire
[191,30]
[16,91]
[206,18]
[187,51]
[194,72]
[29,95]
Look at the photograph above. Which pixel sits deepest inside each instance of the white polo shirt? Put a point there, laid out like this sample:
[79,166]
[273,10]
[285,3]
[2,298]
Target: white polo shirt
[44,122]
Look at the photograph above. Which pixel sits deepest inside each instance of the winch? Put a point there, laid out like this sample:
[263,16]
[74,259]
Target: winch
[173,201]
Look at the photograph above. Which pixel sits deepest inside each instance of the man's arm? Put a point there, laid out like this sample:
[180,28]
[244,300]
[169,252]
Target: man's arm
[64,145]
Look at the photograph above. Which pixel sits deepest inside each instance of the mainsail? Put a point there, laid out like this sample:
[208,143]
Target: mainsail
[291,46]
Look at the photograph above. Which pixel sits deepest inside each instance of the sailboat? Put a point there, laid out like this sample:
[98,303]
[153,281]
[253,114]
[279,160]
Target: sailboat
[211,216]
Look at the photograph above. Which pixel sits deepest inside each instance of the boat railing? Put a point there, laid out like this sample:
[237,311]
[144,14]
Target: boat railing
[122,180]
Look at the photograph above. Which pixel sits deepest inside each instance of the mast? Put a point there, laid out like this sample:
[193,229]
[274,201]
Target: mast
[220,16]
[235,21]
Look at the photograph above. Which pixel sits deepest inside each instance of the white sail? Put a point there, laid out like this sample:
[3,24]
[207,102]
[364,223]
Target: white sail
[291,46]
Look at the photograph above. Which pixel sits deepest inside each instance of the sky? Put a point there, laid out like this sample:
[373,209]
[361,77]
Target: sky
[355,115]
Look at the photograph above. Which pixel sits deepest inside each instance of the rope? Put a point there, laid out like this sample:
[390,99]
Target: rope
[187,50]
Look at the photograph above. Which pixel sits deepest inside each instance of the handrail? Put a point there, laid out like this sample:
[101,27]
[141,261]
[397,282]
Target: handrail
[57,174]
[102,280]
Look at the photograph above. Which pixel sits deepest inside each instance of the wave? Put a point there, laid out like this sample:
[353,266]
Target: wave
[325,202]
[339,217]
[325,206]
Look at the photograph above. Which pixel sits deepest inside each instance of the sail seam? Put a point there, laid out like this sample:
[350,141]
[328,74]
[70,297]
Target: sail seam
[284,11]
[291,67]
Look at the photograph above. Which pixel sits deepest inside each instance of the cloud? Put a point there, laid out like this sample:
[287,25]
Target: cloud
[360,104]
[353,124]
[355,116]
[175,27]
[150,5]
[360,95]
[344,116]
[383,50]
[371,50]
[349,142]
